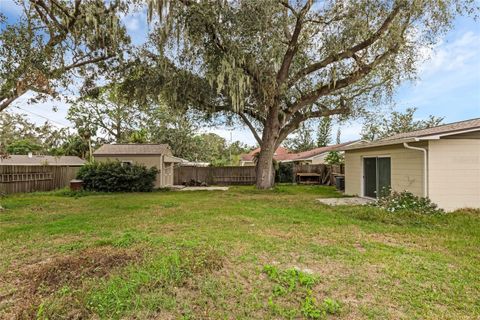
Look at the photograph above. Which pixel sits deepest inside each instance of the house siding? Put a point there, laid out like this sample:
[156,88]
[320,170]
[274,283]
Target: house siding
[406,168]
[454,173]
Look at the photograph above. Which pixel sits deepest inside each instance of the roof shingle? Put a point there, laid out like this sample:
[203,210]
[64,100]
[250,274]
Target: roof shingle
[133,149]
[35,160]
[449,128]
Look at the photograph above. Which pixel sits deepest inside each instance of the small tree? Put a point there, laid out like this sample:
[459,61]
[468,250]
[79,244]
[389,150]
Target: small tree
[334,158]
[301,139]
[324,133]
[379,127]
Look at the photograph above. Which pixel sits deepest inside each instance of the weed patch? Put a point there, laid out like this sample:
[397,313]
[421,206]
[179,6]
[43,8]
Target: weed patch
[152,285]
[299,284]
[44,278]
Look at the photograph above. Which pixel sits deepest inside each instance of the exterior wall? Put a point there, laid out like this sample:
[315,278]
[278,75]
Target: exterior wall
[406,168]
[454,173]
[320,159]
[146,160]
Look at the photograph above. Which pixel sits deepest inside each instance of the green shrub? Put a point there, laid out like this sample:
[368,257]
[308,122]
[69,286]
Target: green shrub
[284,173]
[406,201]
[334,158]
[114,176]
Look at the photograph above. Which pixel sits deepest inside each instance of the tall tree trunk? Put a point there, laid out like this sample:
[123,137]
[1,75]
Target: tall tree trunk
[265,169]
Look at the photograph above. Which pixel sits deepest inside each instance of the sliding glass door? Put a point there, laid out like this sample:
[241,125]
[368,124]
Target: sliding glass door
[376,176]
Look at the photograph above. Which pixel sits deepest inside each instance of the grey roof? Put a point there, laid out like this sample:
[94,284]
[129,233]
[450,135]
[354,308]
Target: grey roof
[424,134]
[133,149]
[24,160]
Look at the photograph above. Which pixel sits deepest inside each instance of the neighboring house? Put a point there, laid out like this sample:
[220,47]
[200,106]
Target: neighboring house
[317,155]
[36,160]
[442,163]
[188,163]
[249,159]
[149,155]
[314,156]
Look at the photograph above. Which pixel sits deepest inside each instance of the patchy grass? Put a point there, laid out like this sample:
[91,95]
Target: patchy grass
[239,254]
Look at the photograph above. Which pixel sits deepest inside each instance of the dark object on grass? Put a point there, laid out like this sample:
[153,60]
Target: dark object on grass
[76,185]
[195,183]
[340,182]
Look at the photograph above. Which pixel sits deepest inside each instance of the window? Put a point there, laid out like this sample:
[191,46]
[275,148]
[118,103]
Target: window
[376,176]
[126,163]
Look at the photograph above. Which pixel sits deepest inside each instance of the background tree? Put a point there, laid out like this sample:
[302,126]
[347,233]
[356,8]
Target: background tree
[276,64]
[110,112]
[23,147]
[324,132]
[301,139]
[378,127]
[334,158]
[18,133]
[52,40]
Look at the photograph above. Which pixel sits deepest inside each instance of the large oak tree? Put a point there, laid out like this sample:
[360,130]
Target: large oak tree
[277,63]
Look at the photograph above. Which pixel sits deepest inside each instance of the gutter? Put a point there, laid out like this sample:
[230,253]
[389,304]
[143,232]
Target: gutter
[425,165]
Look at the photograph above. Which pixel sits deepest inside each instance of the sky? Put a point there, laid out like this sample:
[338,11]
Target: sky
[448,83]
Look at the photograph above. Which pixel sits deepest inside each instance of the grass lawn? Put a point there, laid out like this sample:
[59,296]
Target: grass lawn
[240,254]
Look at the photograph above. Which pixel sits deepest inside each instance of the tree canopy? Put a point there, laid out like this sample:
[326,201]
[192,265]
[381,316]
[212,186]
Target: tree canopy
[52,40]
[381,126]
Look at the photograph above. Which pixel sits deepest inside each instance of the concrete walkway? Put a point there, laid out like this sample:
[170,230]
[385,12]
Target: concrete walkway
[203,189]
[354,201]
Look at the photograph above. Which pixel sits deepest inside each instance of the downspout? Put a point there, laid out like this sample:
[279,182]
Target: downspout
[425,165]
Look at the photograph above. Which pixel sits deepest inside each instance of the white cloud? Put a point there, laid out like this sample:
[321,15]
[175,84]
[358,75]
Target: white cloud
[454,56]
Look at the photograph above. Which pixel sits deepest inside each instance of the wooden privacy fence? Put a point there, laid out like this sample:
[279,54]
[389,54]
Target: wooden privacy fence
[247,175]
[215,175]
[16,179]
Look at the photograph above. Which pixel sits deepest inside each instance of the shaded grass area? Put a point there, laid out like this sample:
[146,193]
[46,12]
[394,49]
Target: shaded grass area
[239,254]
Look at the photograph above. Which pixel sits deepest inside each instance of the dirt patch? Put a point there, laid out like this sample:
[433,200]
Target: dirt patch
[39,280]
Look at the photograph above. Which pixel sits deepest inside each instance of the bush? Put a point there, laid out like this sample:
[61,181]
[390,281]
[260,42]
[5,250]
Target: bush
[284,173]
[114,176]
[407,201]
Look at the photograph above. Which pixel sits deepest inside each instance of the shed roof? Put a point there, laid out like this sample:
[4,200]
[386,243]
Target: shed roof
[25,160]
[424,134]
[133,149]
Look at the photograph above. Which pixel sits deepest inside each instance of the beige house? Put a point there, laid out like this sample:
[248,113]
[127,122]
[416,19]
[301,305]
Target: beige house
[150,155]
[442,163]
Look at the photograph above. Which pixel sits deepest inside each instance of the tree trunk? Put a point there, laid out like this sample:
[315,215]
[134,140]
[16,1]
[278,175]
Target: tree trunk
[265,169]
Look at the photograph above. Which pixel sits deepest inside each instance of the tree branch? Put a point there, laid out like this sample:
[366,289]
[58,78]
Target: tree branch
[293,44]
[350,52]
[5,102]
[251,127]
[333,86]
[299,117]
[82,63]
